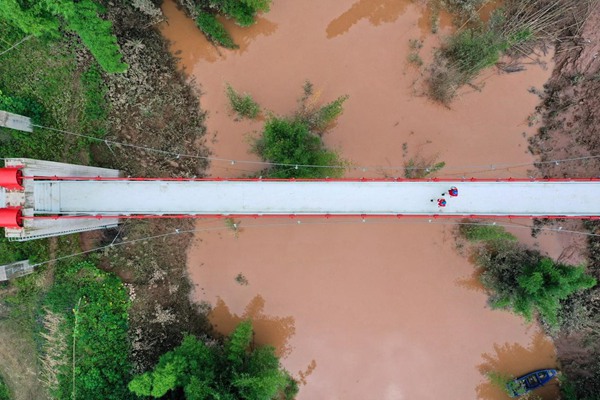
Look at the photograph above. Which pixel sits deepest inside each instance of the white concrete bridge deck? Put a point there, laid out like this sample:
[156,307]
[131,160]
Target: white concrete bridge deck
[264,197]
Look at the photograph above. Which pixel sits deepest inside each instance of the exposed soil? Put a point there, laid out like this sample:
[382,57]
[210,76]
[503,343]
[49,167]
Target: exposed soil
[572,130]
[19,366]
[570,107]
[152,105]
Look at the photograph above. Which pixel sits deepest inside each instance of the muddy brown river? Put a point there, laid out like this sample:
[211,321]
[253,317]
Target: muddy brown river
[380,309]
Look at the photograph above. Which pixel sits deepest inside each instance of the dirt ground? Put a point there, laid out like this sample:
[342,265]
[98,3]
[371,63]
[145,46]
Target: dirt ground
[19,364]
[571,119]
[570,107]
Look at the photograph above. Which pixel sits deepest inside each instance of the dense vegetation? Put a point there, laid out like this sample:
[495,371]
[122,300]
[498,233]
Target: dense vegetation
[294,145]
[201,370]
[93,306]
[62,308]
[521,279]
[214,30]
[45,18]
[40,79]
[4,391]
[205,13]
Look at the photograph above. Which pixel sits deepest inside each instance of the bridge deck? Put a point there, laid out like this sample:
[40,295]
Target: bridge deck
[538,198]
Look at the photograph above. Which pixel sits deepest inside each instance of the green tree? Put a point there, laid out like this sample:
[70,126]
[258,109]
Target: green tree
[318,118]
[243,11]
[44,17]
[290,142]
[34,20]
[527,283]
[231,370]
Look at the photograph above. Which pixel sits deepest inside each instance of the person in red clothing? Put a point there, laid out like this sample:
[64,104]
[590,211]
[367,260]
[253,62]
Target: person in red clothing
[453,192]
[441,202]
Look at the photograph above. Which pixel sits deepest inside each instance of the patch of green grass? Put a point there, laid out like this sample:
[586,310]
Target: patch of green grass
[42,80]
[478,233]
[4,391]
[95,307]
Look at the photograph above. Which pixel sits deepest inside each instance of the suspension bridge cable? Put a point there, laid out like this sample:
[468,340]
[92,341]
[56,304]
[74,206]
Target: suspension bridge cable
[299,222]
[16,44]
[178,155]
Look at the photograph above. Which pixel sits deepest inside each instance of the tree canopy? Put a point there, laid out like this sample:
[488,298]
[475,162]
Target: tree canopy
[231,370]
[46,18]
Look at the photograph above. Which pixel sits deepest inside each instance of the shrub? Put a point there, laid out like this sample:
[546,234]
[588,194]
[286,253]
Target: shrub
[234,369]
[526,282]
[318,118]
[419,167]
[243,11]
[243,104]
[4,391]
[290,142]
[22,106]
[215,31]
[95,33]
[472,50]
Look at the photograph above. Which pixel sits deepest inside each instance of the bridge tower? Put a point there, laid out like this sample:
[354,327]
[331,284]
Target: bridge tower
[18,199]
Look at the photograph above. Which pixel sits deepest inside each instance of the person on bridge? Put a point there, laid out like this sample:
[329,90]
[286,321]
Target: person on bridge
[441,202]
[453,192]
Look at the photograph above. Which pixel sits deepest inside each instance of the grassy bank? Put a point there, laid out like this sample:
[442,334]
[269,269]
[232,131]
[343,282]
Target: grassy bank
[57,82]
[42,79]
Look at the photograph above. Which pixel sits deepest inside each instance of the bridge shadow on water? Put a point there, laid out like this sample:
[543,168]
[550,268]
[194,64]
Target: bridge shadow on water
[515,360]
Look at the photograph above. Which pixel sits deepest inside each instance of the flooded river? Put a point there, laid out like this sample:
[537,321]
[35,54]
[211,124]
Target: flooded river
[374,309]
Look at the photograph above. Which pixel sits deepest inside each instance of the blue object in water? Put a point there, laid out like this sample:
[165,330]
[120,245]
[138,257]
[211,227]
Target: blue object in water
[530,381]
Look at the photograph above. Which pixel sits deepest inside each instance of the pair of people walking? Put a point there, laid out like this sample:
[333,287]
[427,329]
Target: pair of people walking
[452,192]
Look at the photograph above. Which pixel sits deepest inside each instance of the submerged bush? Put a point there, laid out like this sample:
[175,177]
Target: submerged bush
[290,142]
[319,118]
[243,11]
[523,280]
[295,142]
[472,50]
[243,104]
[215,31]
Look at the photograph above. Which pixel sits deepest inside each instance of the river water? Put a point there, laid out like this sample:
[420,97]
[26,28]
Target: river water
[375,309]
